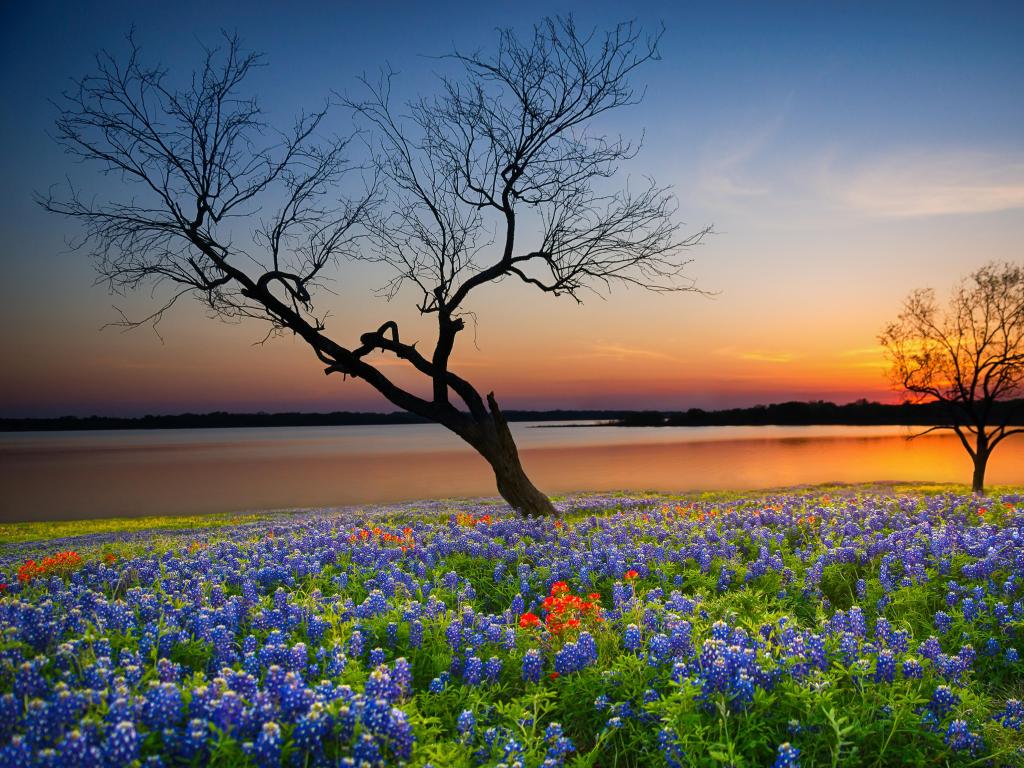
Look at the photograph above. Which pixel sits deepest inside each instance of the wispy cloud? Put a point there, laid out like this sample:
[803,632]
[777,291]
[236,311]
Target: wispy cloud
[724,169]
[757,355]
[861,352]
[619,352]
[767,357]
[863,357]
[928,183]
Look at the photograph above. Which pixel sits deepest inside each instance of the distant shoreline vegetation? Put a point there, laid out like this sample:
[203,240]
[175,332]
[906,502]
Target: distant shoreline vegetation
[820,412]
[222,419]
[858,413]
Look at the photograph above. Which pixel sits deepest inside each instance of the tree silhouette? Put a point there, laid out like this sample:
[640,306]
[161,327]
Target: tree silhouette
[966,356]
[500,175]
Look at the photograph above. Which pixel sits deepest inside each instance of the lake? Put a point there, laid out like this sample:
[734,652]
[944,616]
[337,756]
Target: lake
[69,475]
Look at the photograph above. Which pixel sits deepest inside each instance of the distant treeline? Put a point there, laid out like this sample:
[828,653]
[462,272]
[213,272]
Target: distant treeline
[221,419]
[860,412]
[793,413]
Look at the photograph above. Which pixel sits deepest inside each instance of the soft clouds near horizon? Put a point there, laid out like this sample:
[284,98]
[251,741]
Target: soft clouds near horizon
[922,183]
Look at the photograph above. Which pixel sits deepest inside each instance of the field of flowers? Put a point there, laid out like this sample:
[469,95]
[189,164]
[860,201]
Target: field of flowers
[779,630]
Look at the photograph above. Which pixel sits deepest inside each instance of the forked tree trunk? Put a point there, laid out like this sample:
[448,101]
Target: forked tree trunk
[496,444]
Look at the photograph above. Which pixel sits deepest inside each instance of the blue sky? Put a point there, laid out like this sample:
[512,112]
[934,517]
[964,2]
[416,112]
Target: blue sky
[845,153]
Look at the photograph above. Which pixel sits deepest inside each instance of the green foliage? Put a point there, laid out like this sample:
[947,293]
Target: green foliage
[194,654]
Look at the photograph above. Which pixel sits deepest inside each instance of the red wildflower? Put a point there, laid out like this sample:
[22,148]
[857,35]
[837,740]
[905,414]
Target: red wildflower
[528,620]
[631,574]
[61,564]
[28,571]
[559,587]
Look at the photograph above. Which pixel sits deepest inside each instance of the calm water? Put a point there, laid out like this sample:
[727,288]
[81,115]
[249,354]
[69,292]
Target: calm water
[138,472]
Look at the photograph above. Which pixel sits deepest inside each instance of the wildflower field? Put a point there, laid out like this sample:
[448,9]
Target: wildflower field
[760,630]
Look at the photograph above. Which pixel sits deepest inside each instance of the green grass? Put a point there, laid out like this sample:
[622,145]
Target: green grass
[13,533]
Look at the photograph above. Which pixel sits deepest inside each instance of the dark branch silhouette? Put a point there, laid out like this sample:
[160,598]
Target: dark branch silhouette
[499,176]
[968,356]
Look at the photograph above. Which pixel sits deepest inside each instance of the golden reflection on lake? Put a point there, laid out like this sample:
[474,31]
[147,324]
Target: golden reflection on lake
[97,474]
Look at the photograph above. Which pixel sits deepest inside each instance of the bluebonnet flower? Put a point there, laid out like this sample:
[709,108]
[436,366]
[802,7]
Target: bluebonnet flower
[942,701]
[474,670]
[670,748]
[355,644]
[415,633]
[960,738]
[970,608]
[162,707]
[74,750]
[912,669]
[885,667]
[659,651]
[466,724]
[568,659]
[858,626]
[438,683]
[266,751]
[402,675]
[532,665]
[17,753]
[631,638]
[492,669]
[122,745]
[559,745]
[366,750]
[453,634]
[1011,715]
[381,685]
[787,756]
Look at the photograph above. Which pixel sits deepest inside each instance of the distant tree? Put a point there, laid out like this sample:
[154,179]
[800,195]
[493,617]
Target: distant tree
[501,175]
[966,356]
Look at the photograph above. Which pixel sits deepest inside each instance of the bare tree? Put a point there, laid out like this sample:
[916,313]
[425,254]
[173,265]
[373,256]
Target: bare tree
[966,356]
[499,176]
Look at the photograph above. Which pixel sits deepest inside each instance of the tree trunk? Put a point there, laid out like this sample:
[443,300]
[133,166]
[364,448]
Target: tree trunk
[978,481]
[497,445]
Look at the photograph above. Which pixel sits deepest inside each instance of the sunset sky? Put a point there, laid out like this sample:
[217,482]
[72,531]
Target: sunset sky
[845,153]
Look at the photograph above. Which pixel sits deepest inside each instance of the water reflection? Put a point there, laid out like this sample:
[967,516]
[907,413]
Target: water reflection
[89,474]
